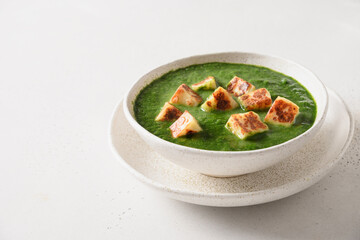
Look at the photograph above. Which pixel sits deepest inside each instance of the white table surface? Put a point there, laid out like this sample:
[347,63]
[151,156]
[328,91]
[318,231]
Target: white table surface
[65,64]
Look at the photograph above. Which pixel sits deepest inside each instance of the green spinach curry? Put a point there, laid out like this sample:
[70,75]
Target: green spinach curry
[215,136]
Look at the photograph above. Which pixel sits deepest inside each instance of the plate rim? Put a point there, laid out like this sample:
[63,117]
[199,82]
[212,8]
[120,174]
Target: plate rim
[293,186]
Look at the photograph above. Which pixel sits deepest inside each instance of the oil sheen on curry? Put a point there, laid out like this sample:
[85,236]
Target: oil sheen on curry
[225,107]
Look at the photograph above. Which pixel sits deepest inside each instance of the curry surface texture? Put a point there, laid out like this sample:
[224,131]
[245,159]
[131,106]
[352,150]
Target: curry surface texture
[215,136]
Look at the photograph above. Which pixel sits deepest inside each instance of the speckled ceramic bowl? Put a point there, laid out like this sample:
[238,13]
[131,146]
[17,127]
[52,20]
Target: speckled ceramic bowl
[230,163]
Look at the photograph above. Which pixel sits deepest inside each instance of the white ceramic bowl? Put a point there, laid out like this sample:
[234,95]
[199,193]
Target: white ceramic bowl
[230,163]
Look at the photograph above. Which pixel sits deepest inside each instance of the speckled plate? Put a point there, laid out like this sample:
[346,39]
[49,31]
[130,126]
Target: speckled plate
[288,177]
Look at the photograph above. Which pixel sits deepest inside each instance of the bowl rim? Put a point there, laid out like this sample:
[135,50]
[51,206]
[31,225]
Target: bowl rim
[136,125]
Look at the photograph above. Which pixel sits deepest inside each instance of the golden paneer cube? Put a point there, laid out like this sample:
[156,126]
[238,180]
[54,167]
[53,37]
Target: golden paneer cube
[256,100]
[207,84]
[239,87]
[245,125]
[220,99]
[184,95]
[185,125]
[282,112]
[168,113]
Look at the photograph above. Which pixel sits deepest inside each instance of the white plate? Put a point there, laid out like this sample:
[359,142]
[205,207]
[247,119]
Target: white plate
[288,177]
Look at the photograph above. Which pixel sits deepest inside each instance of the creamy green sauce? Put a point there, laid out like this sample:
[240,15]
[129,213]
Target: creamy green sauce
[214,135]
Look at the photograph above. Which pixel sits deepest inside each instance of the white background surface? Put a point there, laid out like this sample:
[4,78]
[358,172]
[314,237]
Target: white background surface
[63,67]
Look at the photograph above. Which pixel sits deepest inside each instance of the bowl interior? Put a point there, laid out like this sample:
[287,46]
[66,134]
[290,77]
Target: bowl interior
[298,72]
